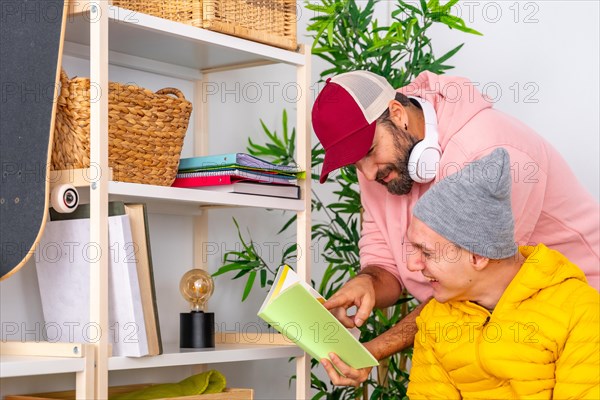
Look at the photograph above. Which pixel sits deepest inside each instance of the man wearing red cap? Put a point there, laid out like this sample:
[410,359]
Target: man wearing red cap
[402,142]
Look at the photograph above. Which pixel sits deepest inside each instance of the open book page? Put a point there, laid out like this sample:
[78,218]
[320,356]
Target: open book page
[285,278]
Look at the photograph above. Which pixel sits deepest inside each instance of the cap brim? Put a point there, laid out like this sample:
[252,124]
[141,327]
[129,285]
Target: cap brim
[348,151]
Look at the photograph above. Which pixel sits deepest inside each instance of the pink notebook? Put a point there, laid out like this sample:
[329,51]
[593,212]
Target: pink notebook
[214,178]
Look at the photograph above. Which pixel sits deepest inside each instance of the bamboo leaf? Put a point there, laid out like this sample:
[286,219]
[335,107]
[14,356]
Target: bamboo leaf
[404,5]
[449,54]
[291,249]
[263,277]
[249,284]
[241,273]
[285,128]
[446,7]
[287,224]
[230,267]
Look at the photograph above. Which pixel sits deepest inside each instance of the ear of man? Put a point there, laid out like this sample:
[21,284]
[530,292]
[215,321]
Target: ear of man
[398,114]
[478,262]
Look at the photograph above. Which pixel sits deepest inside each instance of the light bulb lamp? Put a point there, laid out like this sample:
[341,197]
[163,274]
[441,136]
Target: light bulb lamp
[197,327]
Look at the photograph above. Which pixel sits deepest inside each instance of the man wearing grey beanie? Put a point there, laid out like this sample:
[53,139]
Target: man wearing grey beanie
[505,321]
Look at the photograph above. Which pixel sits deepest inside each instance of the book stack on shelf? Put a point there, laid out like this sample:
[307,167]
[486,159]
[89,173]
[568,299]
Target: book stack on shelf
[62,264]
[238,173]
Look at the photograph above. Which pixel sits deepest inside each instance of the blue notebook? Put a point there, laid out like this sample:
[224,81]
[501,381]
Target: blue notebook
[230,160]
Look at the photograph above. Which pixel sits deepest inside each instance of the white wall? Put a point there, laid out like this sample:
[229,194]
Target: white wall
[540,61]
[553,60]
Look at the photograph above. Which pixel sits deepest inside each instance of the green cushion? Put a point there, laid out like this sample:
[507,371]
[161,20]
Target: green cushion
[207,382]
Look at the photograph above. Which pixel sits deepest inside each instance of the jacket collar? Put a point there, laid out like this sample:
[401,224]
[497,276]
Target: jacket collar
[542,269]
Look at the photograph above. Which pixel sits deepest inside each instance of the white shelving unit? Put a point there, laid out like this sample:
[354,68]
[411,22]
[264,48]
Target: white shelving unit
[173,356]
[23,359]
[107,34]
[13,366]
[156,196]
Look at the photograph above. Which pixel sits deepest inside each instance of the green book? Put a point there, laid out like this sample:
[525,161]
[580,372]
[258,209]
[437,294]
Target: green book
[296,310]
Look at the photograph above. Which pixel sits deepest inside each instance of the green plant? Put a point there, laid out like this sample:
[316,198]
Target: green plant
[348,37]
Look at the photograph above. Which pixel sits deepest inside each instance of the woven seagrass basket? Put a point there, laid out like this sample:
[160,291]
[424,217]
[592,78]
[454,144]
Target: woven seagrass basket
[267,21]
[184,11]
[145,130]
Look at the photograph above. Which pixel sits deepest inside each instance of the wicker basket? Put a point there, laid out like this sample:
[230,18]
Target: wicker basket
[145,130]
[184,11]
[267,21]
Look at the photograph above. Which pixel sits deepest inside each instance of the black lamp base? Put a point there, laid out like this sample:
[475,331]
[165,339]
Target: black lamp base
[196,330]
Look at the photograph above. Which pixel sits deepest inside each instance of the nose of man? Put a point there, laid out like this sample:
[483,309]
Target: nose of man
[414,261]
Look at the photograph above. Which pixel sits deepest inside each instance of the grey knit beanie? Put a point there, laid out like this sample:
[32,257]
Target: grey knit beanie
[472,208]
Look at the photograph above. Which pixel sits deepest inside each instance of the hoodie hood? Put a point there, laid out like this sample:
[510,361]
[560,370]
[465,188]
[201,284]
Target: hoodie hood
[455,100]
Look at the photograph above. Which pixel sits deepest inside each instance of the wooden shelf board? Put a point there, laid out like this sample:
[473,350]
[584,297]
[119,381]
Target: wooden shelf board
[141,35]
[174,356]
[159,195]
[170,200]
[13,366]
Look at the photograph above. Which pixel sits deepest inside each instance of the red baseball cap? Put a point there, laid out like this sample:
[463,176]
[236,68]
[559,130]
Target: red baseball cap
[345,114]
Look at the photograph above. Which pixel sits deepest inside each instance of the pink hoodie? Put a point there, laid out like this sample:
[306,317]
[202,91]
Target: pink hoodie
[549,204]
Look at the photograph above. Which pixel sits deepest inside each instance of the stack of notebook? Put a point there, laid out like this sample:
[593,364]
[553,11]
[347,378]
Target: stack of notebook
[238,173]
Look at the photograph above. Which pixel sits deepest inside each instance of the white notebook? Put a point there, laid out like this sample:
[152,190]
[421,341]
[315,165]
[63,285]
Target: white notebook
[62,263]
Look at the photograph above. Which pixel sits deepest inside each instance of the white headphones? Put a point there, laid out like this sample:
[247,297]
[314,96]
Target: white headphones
[425,156]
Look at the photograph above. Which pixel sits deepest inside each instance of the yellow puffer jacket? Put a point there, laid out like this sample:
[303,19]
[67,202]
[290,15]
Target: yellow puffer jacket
[540,342]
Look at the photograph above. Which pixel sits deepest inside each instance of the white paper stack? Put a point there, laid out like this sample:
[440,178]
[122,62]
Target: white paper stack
[63,269]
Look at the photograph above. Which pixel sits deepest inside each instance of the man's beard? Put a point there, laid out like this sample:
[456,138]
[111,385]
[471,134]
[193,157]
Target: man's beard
[403,143]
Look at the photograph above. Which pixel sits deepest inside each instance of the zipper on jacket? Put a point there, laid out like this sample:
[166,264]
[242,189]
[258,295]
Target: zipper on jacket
[478,342]
[488,315]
